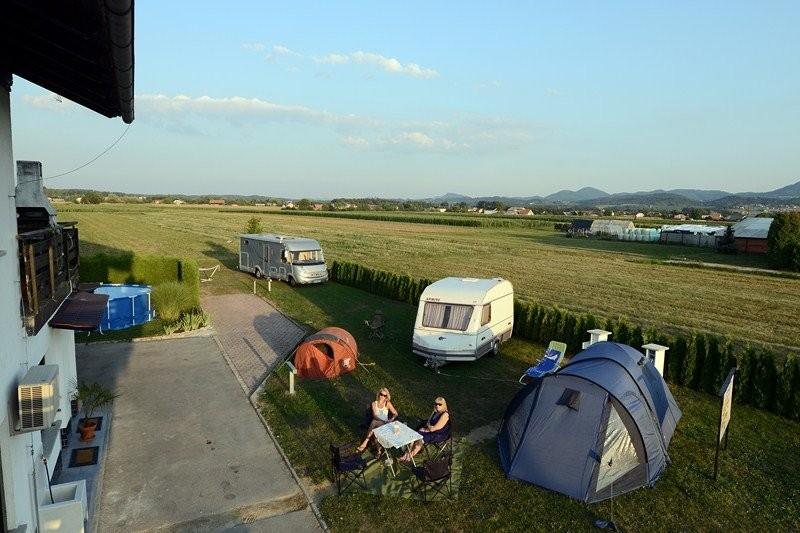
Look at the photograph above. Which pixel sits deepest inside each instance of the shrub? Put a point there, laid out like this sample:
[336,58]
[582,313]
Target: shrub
[92,197]
[193,320]
[783,241]
[253,226]
[171,299]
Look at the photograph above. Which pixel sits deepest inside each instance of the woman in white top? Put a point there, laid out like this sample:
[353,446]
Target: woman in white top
[382,411]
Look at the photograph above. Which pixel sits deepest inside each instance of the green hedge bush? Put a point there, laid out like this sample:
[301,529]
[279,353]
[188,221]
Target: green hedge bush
[700,360]
[141,269]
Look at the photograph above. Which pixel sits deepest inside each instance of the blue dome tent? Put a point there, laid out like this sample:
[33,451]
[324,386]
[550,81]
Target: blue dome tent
[598,427]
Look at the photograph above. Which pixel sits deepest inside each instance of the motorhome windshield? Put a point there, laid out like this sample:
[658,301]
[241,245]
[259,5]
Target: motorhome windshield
[308,257]
[446,316]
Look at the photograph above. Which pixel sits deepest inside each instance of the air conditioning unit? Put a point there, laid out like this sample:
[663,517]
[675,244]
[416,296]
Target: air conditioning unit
[37,398]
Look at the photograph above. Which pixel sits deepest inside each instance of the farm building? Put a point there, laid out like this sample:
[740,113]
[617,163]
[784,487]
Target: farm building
[691,234]
[610,227]
[751,235]
[580,226]
[217,202]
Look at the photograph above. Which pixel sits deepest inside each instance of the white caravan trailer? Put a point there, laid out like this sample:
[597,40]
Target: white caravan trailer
[461,319]
[293,259]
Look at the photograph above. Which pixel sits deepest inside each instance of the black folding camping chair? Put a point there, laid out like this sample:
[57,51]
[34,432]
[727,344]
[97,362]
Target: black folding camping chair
[376,325]
[348,467]
[436,475]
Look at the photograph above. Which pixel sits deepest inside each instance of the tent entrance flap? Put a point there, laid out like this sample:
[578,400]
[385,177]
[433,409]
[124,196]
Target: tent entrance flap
[619,453]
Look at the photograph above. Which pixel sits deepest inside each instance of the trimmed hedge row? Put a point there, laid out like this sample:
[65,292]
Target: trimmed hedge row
[700,361]
[442,220]
[141,269]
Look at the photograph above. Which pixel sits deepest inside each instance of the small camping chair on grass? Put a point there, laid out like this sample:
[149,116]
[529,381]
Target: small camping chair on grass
[434,449]
[550,362]
[376,325]
[348,467]
[435,474]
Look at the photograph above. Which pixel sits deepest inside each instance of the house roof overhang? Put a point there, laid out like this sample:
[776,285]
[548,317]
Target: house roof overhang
[79,49]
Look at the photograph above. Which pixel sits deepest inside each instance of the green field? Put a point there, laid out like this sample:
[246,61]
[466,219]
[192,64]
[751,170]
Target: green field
[615,279]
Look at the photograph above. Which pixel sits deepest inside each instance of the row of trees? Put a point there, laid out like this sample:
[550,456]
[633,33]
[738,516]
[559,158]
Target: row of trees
[767,380]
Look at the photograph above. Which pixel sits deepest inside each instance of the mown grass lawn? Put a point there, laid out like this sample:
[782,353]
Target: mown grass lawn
[758,489]
[615,279]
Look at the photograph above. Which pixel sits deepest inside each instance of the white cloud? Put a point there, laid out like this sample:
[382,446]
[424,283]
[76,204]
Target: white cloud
[333,59]
[235,108]
[49,101]
[254,47]
[355,142]
[392,65]
[387,64]
[281,50]
[418,138]
[184,114]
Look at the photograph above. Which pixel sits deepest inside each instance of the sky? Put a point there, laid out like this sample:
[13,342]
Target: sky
[416,99]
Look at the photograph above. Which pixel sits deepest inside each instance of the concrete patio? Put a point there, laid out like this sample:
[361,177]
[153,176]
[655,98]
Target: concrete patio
[187,451]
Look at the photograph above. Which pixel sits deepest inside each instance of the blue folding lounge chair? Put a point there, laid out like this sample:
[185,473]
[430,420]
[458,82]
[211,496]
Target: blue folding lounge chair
[549,363]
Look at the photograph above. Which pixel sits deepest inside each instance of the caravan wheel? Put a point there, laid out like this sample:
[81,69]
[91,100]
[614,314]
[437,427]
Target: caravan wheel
[292,282]
[495,349]
[258,273]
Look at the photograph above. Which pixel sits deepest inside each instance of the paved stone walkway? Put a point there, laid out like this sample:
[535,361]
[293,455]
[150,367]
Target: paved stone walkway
[252,333]
[187,452]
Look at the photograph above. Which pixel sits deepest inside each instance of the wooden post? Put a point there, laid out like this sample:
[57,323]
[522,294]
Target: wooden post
[292,372]
[34,288]
[254,286]
[52,270]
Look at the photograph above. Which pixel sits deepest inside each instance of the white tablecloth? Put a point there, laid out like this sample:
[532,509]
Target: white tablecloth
[387,437]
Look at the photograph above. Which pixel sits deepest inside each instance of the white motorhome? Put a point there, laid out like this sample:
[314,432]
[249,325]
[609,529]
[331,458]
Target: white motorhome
[462,319]
[293,259]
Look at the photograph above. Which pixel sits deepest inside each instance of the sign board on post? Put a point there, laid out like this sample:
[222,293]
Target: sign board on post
[726,401]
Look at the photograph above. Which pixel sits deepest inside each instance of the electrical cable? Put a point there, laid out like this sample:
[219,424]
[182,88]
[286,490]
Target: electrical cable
[92,160]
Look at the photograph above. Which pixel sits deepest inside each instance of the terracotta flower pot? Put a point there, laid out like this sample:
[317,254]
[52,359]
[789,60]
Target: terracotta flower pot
[87,430]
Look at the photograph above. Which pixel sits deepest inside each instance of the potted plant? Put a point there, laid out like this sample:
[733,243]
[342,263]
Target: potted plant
[91,397]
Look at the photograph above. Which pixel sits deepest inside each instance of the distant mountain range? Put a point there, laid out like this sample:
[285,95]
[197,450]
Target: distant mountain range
[590,196]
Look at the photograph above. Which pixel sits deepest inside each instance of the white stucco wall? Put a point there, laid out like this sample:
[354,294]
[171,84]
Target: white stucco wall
[18,352]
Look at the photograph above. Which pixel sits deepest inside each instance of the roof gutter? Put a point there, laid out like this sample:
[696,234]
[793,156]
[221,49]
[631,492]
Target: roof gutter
[119,14]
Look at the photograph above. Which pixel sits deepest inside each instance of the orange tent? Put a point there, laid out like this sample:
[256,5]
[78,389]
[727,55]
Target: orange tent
[326,354]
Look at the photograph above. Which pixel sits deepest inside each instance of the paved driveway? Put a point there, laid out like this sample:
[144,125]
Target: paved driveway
[187,451]
[252,333]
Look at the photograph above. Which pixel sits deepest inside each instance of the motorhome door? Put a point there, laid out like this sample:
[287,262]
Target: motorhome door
[282,260]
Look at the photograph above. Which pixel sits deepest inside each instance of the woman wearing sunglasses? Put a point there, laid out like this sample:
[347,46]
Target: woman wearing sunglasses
[437,429]
[383,412]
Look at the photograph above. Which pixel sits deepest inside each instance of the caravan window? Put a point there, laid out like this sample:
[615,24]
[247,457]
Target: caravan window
[308,257]
[446,316]
[486,314]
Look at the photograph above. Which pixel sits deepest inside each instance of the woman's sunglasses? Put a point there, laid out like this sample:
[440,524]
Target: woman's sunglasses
[382,394]
[438,404]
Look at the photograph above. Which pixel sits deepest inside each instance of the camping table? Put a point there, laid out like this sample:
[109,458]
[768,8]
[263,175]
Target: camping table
[404,437]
